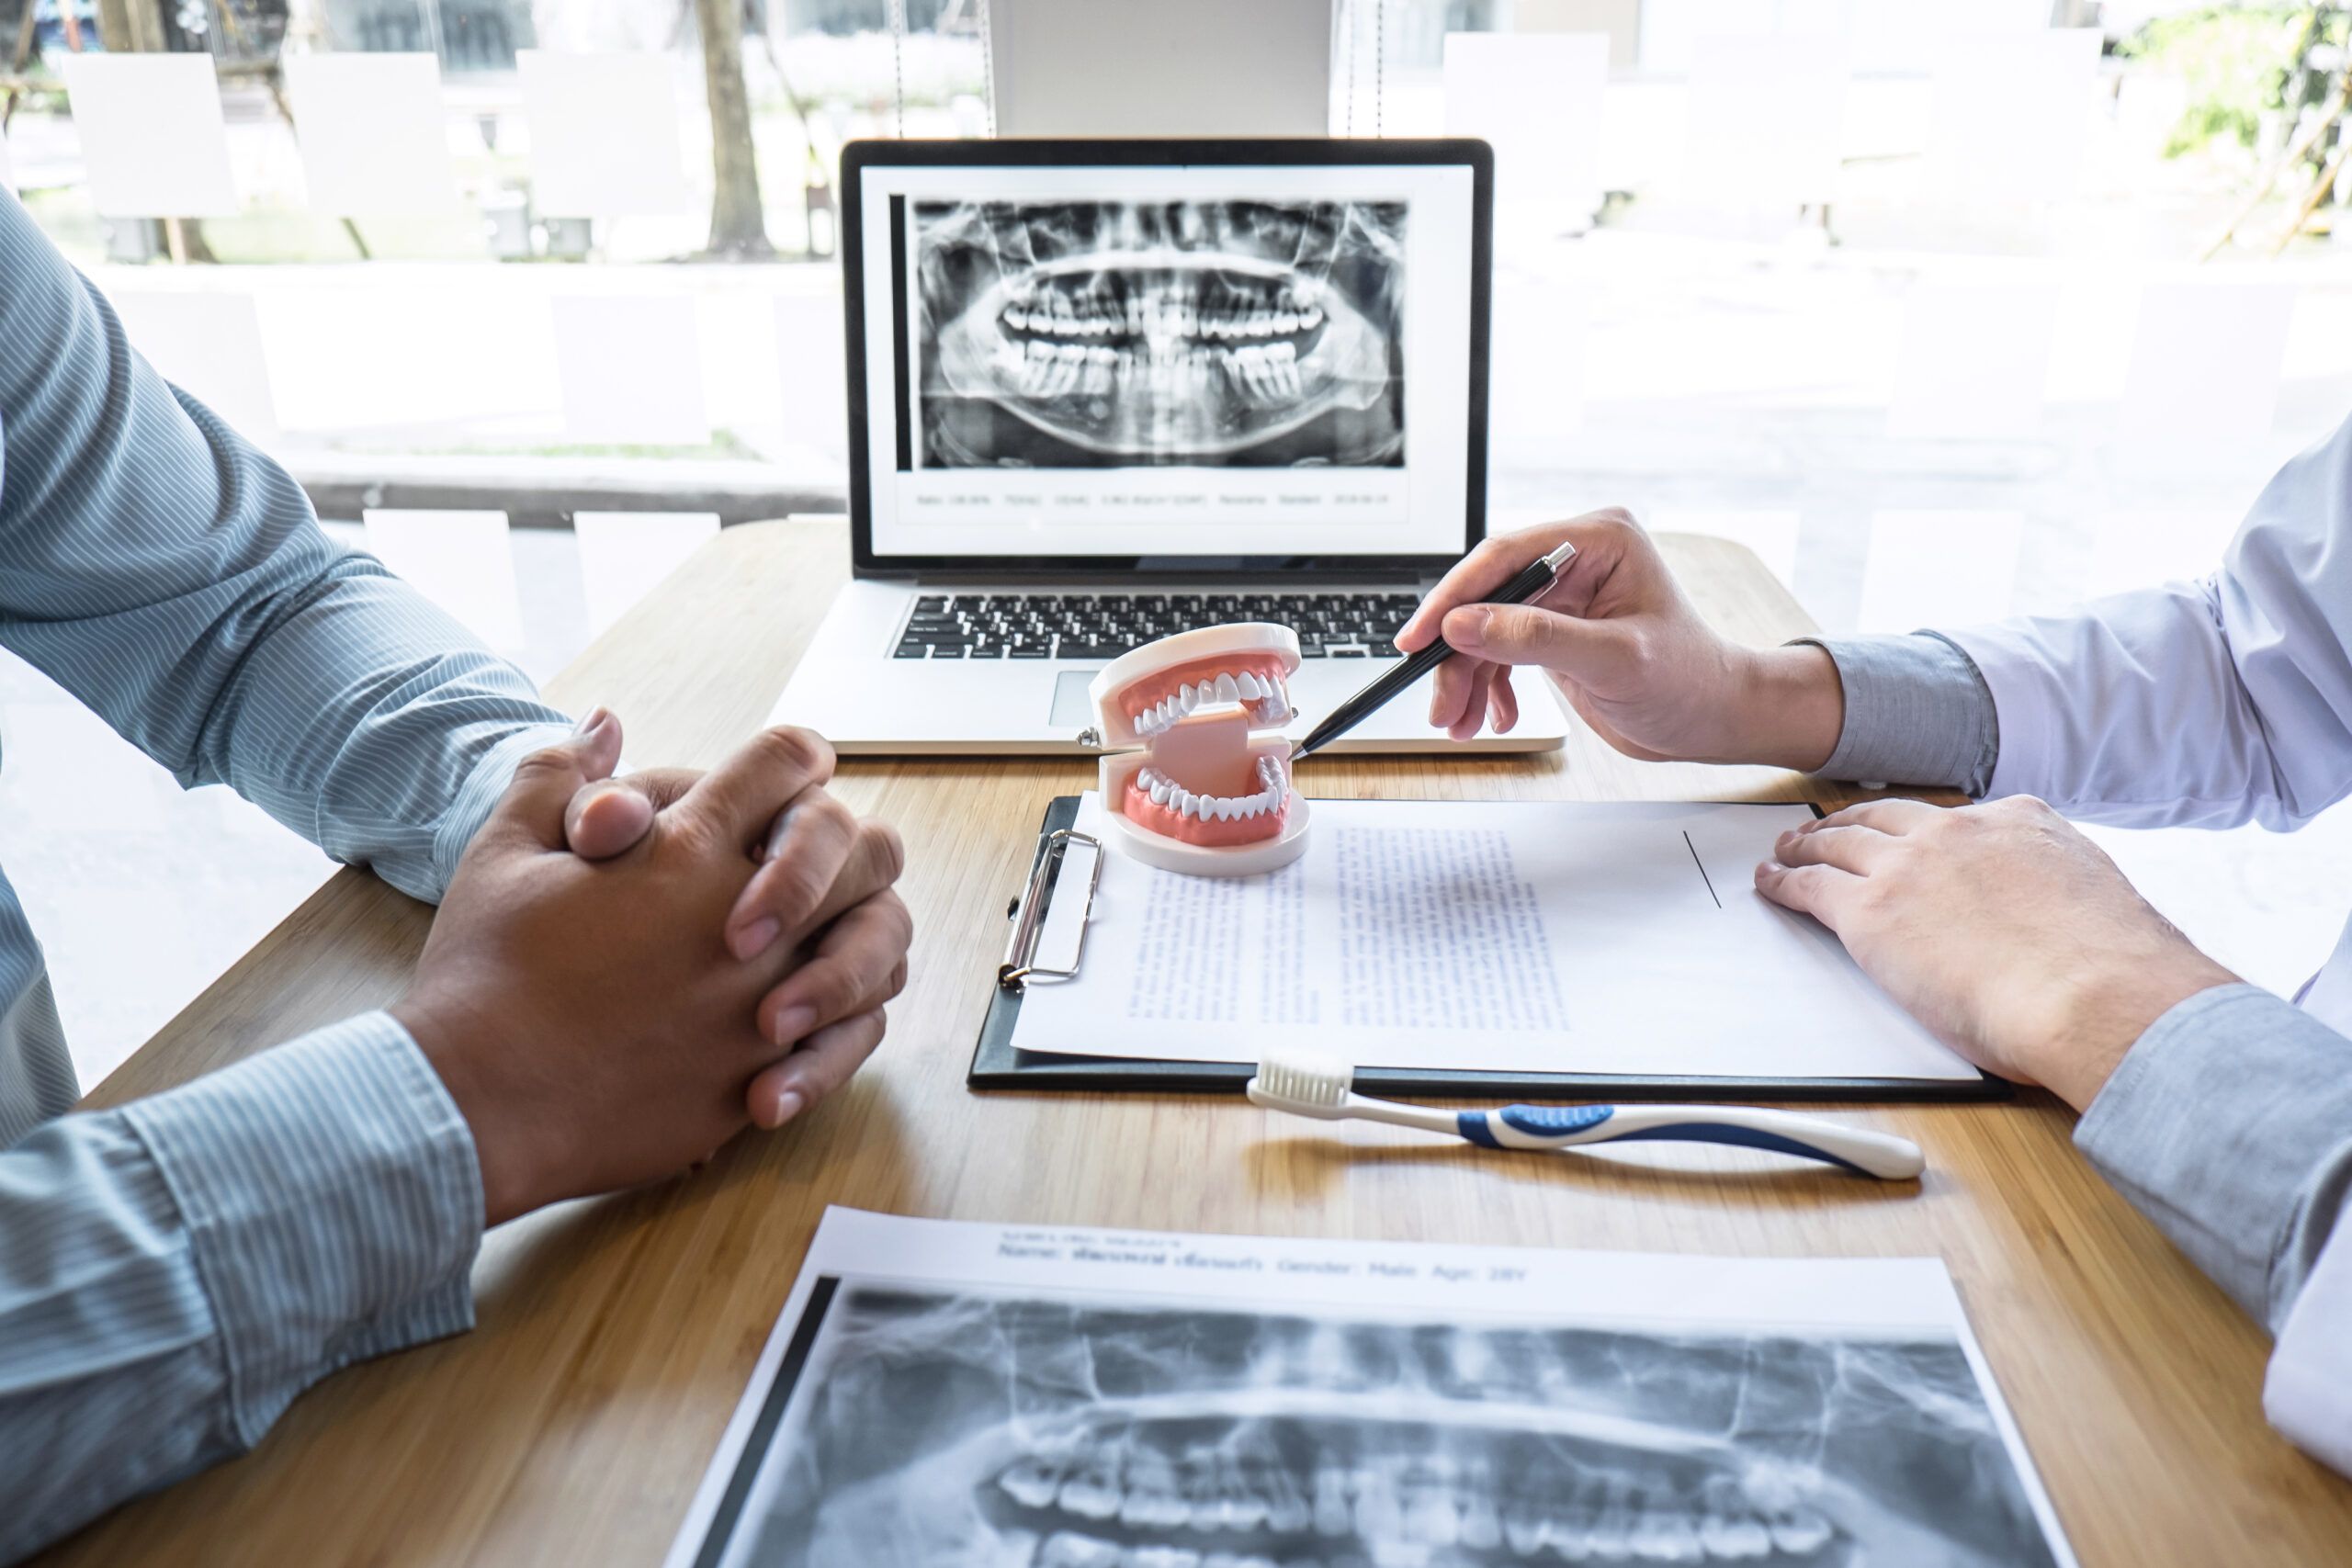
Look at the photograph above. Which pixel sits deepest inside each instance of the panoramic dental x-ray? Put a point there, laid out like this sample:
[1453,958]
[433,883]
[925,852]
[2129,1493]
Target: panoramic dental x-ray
[965,1428]
[1072,334]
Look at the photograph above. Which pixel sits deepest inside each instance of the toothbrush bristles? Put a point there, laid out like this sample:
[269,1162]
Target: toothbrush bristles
[1308,1078]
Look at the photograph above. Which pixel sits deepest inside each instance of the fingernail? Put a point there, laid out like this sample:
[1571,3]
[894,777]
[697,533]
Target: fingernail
[594,719]
[787,1105]
[753,939]
[794,1023]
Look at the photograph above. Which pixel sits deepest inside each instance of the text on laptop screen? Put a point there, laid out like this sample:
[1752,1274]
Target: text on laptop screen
[1166,361]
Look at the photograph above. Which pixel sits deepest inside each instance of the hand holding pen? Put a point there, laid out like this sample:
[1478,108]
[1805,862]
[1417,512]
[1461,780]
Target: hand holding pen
[1627,650]
[1531,582]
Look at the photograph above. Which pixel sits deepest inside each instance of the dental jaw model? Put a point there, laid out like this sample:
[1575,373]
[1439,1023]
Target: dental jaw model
[1197,778]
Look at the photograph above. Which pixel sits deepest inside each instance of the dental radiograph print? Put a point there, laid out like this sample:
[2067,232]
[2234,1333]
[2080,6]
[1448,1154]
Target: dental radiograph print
[1093,334]
[959,1428]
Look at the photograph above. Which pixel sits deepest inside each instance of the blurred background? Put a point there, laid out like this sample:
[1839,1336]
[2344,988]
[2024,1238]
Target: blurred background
[1950,309]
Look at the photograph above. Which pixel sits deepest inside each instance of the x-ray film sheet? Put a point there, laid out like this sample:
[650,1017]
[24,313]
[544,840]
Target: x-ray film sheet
[1001,1396]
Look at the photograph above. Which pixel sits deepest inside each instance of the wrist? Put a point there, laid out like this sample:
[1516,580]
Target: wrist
[451,1048]
[1790,707]
[2107,1014]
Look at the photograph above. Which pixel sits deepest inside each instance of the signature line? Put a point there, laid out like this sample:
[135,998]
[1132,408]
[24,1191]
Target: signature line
[1702,868]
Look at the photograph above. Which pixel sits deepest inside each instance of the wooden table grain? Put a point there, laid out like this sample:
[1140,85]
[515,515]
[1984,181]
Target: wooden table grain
[572,1425]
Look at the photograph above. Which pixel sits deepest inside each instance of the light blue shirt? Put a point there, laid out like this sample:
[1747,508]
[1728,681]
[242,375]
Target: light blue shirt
[2202,704]
[172,1273]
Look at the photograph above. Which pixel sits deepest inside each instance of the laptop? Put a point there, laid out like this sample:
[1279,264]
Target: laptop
[1101,391]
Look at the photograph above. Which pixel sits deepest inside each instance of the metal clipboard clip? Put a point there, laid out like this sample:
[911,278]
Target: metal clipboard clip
[1028,911]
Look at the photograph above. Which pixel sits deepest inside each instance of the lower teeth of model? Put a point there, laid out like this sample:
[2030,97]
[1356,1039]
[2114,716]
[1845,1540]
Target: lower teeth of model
[1165,791]
[1265,696]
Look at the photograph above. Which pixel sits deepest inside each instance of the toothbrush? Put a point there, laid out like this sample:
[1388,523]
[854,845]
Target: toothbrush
[1308,1083]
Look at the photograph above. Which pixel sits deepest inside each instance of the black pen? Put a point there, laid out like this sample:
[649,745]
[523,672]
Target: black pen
[1533,579]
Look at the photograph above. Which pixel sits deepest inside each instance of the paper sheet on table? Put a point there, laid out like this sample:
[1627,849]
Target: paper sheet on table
[937,1393]
[1520,936]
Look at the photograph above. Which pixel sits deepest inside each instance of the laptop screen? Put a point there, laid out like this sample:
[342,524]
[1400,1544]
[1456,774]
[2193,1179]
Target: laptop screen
[1166,354]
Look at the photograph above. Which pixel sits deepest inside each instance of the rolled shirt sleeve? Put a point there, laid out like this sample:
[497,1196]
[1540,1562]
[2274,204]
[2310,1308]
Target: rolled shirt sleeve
[1916,713]
[174,1272]
[2229,1122]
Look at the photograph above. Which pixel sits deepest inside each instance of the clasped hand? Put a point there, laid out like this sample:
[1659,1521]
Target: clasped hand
[625,972]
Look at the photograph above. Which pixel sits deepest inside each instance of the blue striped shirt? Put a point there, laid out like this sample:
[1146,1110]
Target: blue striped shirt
[172,1273]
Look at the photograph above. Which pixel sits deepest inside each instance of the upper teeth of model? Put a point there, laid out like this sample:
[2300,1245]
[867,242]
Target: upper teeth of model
[1274,788]
[1265,696]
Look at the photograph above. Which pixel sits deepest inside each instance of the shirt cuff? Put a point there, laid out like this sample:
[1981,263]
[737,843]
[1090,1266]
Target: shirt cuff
[2308,1392]
[1916,712]
[2230,1124]
[479,793]
[333,1199]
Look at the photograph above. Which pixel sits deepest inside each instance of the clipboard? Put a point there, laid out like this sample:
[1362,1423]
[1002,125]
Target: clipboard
[998,1064]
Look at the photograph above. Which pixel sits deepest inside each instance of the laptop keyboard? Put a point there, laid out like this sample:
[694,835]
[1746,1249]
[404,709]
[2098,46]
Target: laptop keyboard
[1104,626]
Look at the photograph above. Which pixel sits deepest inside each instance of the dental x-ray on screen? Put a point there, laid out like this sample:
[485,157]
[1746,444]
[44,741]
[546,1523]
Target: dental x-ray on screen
[1209,333]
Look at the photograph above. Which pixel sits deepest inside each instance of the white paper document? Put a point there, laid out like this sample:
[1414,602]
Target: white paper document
[374,134]
[153,135]
[1624,939]
[945,1395]
[604,139]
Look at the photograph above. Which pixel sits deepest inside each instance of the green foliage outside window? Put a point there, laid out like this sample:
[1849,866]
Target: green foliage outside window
[2243,65]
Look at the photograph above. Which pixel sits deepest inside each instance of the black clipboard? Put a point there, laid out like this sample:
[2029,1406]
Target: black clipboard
[997,1064]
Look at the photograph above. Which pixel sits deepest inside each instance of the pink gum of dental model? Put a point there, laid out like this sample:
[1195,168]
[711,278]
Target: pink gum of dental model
[1207,793]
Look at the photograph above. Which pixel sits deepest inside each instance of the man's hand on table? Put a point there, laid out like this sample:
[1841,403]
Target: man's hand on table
[622,975]
[2000,927]
[861,958]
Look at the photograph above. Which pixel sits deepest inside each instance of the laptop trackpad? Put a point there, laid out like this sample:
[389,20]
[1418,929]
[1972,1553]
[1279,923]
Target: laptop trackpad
[1072,708]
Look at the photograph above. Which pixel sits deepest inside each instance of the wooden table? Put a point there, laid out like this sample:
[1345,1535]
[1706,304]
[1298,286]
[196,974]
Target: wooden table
[615,1335]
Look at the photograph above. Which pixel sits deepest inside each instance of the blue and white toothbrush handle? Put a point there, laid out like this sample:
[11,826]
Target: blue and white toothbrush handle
[1881,1154]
